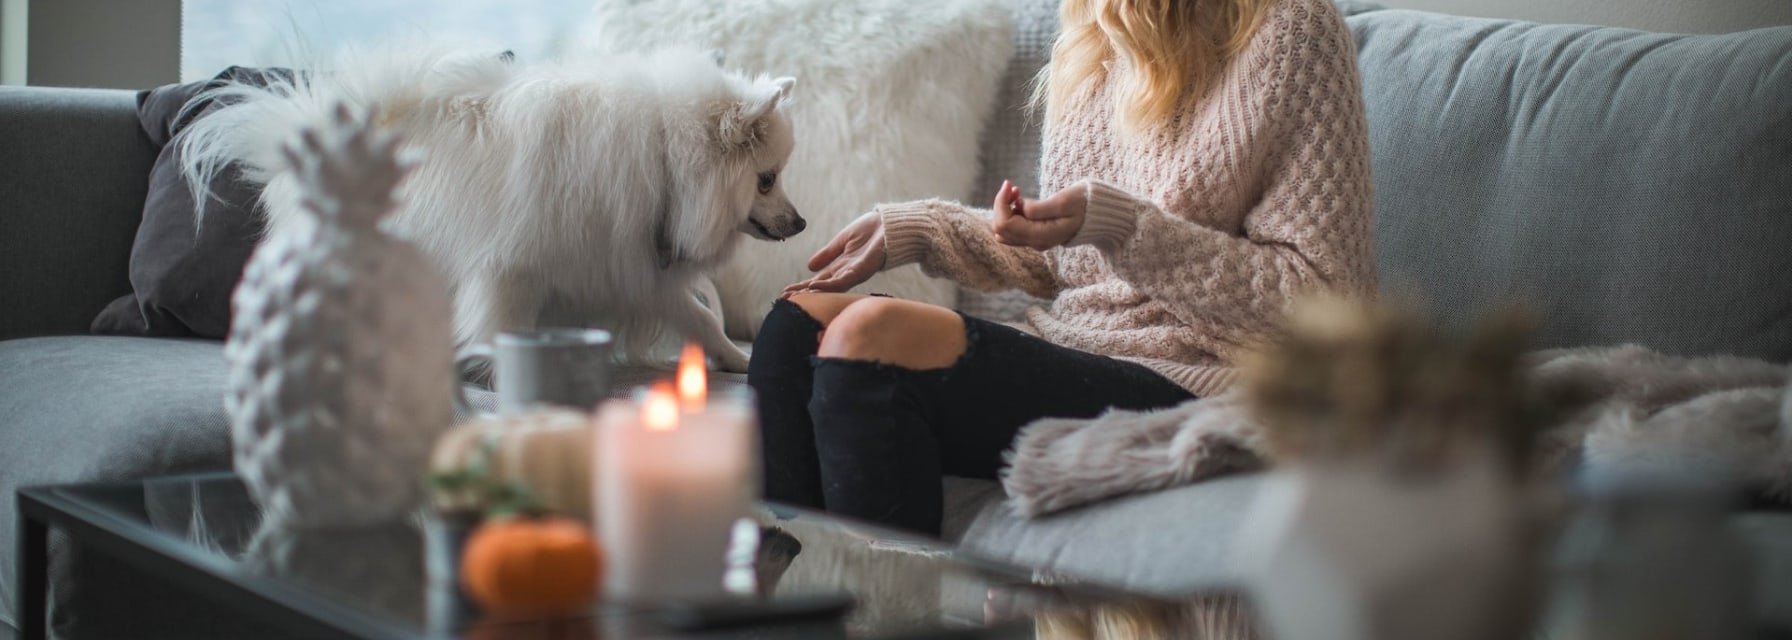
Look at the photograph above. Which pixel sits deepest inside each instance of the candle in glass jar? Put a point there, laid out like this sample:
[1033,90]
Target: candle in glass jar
[674,472]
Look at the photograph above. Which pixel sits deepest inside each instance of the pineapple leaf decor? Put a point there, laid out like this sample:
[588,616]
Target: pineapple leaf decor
[1356,378]
[340,353]
[1402,509]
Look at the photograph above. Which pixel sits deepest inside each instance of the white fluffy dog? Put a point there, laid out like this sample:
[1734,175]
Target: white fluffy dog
[597,191]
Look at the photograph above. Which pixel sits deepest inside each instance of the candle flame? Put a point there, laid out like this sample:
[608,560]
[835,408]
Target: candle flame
[693,381]
[659,410]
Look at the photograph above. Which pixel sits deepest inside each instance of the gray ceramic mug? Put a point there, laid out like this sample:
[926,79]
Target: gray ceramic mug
[551,366]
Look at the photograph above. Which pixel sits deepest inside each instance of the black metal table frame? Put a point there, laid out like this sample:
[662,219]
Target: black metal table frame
[40,508]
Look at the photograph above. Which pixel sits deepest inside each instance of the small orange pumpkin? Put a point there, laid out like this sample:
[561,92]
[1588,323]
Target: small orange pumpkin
[526,567]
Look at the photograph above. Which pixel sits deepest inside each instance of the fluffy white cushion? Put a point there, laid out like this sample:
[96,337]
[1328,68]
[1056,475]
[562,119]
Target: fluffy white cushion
[890,101]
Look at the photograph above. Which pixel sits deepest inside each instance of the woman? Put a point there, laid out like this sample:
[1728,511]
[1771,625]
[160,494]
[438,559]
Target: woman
[1208,162]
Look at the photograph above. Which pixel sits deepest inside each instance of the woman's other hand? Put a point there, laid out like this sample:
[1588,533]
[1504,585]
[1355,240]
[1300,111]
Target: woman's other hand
[1040,224]
[851,258]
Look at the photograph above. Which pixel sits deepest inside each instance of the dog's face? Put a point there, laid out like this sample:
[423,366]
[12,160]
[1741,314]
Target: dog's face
[772,217]
[735,184]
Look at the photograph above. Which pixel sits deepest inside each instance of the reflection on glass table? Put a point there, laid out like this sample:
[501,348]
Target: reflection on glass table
[397,580]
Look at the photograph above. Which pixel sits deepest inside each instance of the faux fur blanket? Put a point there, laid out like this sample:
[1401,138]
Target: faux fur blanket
[1626,410]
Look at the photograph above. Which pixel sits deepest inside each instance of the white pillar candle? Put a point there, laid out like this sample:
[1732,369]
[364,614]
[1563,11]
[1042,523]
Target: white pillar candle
[673,476]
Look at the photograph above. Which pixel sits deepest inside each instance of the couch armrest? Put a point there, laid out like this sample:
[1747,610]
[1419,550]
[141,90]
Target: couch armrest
[75,166]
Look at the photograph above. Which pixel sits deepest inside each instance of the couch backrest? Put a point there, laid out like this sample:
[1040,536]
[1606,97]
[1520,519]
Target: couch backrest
[1636,187]
[1010,141]
[75,166]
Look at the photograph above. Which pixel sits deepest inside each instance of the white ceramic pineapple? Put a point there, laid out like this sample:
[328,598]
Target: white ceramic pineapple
[1352,550]
[340,349]
[385,573]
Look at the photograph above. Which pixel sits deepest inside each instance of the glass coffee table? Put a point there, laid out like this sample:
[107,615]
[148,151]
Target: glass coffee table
[203,535]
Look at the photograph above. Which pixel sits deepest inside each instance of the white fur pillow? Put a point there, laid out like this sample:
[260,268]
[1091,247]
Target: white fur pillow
[890,101]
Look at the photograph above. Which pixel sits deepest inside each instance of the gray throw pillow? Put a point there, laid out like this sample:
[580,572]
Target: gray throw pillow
[182,272]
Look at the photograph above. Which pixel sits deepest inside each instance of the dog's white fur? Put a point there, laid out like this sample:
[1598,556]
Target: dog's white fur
[895,102]
[600,188]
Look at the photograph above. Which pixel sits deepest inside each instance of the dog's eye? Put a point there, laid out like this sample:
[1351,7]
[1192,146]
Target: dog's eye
[766,180]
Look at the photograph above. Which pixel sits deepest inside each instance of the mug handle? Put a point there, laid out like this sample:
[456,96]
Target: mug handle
[464,359]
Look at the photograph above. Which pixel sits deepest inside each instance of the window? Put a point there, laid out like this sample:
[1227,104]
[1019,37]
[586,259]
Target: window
[219,33]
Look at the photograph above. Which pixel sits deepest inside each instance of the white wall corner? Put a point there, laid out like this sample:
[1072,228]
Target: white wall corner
[12,40]
[119,44]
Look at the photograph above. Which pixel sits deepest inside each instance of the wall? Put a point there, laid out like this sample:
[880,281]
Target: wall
[1684,16]
[127,44]
[12,41]
[136,43]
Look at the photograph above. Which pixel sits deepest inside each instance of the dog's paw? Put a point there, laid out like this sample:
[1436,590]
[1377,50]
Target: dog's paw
[731,360]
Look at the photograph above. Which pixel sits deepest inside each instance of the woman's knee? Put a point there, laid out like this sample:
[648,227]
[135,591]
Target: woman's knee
[823,307]
[795,324]
[892,331]
[787,317]
[788,334]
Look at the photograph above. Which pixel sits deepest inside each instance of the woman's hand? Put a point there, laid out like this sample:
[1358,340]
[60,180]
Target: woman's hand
[1040,224]
[851,258]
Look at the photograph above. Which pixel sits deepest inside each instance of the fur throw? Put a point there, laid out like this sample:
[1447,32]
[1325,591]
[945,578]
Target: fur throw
[1620,411]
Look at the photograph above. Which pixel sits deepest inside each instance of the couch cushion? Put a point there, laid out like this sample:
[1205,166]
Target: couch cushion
[78,409]
[1164,542]
[75,165]
[1353,7]
[95,408]
[1631,184]
[1010,144]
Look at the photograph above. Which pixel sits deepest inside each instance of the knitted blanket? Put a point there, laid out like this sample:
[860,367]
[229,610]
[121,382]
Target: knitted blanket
[1623,411]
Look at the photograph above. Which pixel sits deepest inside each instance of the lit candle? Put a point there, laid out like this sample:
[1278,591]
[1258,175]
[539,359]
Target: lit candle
[675,470]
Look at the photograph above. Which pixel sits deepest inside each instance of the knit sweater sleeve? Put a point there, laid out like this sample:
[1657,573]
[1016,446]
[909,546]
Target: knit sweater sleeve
[950,240]
[1304,153]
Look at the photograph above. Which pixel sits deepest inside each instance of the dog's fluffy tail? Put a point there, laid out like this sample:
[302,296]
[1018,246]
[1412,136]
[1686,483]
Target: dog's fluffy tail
[247,122]
[253,117]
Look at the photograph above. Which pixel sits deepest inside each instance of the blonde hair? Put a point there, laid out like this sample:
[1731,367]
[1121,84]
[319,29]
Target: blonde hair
[1172,48]
[1114,622]
[1204,617]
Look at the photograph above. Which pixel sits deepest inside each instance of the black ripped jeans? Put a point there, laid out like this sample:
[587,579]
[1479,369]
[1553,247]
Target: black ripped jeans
[872,441]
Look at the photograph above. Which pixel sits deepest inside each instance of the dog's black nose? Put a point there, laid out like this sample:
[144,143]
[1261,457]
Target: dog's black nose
[800,225]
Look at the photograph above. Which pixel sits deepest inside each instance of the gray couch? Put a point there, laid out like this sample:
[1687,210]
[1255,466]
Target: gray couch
[1634,186]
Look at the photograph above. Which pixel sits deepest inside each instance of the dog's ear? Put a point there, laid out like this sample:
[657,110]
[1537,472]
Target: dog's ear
[783,85]
[743,125]
[472,110]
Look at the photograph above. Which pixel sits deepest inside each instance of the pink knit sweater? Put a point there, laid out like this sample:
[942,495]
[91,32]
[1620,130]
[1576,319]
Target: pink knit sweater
[1196,238]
